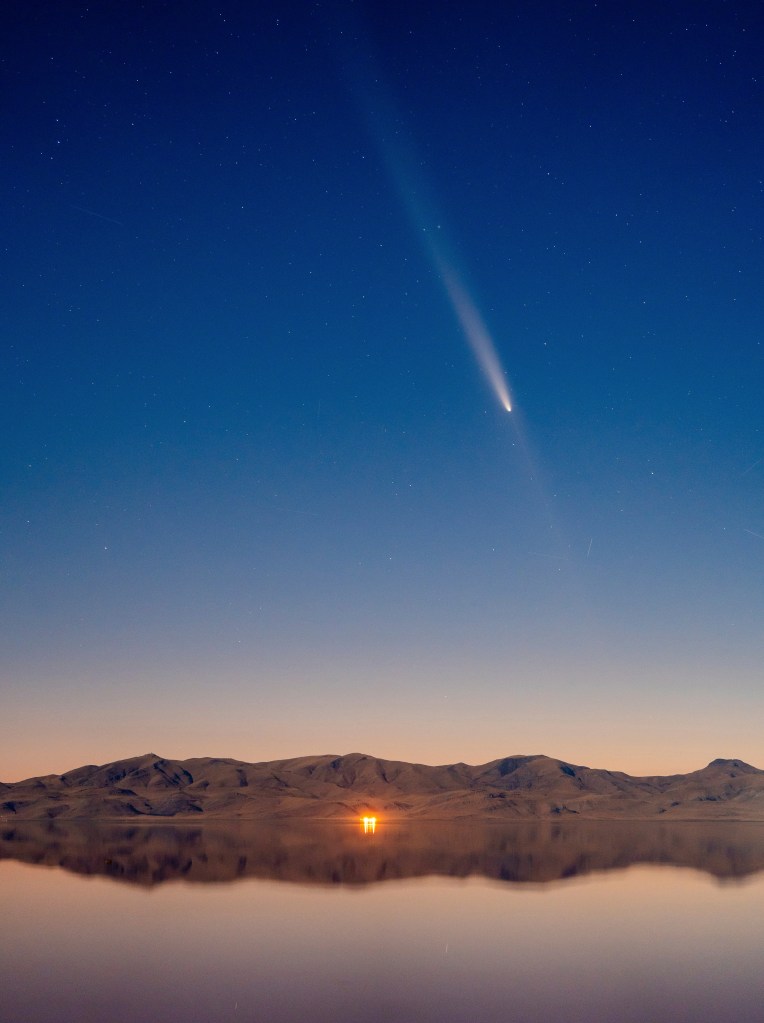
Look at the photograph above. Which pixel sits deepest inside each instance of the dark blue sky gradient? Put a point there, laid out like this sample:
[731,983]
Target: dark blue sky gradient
[258,499]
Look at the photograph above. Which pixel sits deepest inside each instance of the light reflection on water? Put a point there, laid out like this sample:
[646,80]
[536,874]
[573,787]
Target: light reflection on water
[480,935]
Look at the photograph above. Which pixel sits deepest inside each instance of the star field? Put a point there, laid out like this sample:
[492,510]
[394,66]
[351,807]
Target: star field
[259,498]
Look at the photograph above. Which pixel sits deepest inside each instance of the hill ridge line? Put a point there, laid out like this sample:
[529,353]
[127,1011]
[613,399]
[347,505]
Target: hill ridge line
[329,785]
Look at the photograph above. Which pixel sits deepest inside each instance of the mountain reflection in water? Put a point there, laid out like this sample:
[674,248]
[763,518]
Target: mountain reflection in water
[331,853]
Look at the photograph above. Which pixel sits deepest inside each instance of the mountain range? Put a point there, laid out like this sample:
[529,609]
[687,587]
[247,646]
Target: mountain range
[356,784]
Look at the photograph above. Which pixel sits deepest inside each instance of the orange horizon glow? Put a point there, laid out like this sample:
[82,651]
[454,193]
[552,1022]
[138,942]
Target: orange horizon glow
[369,825]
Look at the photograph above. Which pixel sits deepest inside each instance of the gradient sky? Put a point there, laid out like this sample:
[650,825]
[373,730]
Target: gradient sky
[258,498]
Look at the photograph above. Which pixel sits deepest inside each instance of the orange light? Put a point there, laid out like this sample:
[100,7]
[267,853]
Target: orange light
[369,825]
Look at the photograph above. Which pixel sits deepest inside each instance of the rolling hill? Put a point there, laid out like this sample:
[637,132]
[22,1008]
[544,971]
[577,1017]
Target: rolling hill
[332,786]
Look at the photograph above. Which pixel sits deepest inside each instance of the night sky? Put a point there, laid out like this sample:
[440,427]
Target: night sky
[259,498]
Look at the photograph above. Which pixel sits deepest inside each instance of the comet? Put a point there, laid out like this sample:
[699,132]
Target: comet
[383,124]
[475,331]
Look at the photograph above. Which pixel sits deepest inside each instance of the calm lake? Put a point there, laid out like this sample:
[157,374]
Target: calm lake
[480,923]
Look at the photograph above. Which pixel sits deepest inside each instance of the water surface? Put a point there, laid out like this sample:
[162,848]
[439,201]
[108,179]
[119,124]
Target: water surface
[536,922]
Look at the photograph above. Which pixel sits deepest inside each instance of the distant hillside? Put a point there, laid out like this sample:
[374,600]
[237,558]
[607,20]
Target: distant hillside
[355,784]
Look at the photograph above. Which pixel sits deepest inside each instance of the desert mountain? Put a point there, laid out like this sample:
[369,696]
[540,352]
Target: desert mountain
[348,786]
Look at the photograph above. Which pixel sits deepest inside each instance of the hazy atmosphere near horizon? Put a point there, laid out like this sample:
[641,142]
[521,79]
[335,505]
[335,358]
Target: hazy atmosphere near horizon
[272,273]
